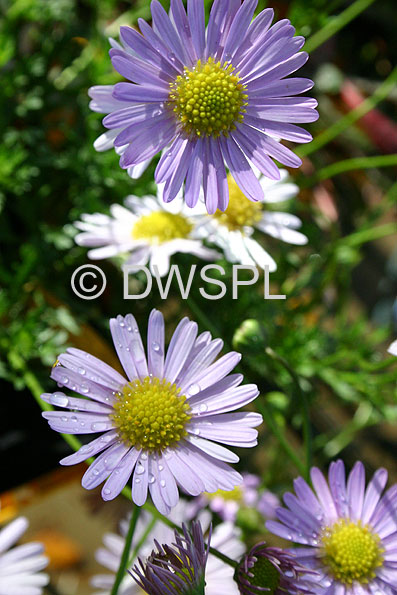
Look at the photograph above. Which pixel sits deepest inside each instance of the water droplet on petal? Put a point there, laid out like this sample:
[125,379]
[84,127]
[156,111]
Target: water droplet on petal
[95,472]
[137,480]
[203,408]
[64,418]
[84,389]
[193,389]
[152,478]
[65,379]
[81,371]
[155,346]
[143,456]
[85,448]
[161,467]
[106,491]
[140,469]
[74,419]
[99,426]
[162,483]
[59,400]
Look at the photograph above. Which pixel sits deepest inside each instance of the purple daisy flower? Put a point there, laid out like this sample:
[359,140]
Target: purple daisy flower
[178,569]
[272,570]
[207,97]
[163,421]
[350,531]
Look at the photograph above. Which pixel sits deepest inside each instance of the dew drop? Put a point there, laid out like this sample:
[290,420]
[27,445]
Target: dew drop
[162,483]
[203,408]
[98,426]
[161,467]
[81,371]
[65,379]
[143,456]
[64,418]
[122,324]
[106,491]
[137,480]
[95,472]
[140,469]
[193,389]
[84,389]
[85,448]
[59,400]
[74,419]
[155,346]
[152,478]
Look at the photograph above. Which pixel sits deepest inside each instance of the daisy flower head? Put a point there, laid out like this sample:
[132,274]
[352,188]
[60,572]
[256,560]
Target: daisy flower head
[209,98]
[228,504]
[177,569]
[146,230]
[226,538]
[233,229]
[274,571]
[163,421]
[21,566]
[349,530]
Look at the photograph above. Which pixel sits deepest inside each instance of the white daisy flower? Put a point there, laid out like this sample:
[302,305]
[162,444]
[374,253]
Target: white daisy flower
[233,229]
[20,566]
[218,575]
[145,228]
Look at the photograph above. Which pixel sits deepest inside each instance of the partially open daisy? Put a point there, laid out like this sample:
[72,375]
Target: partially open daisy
[225,538]
[164,420]
[177,568]
[233,229]
[145,230]
[274,571]
[21,566]
[350,531]
[209,97]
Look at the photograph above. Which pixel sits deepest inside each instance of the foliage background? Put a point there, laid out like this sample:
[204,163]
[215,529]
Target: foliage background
[338,318]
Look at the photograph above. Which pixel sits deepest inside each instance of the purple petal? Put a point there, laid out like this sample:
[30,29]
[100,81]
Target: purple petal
[166,480]
[356,490]
[217,371]
[160,47]
[181,24]
[196,18]
[179,348]
[276,53]
[174,183]
[71,422]
[169,160]
[155,344]
[138,71]
[275,149]
[139,93]
[91,449]
[140,480]
[308,498]
[148,50]
[128,115]
[103,100]
[324,495]
[120,475]
[91,368]
[238,28]
[122,339]
[280,71]
[228,400]
[241,170]
[337,484]
[103,465]
[215,390]
[256,32]
[148,144]
[279,129]
[132,132]
[155,489]
[166,31]
[284,88]
[212,449]
[194,174]
[247,138]
[199,360]
[221,18]
[59,399]
[373,494]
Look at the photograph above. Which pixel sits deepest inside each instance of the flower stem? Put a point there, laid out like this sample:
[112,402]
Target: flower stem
[337,23]
[341,125]
[307,431]
[351,164]
[126,552]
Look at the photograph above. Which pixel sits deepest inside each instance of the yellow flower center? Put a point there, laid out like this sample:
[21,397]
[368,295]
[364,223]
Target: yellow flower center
[352,552]
[160,227]
[241,211]
[235,494]
[208,100]
[151,414]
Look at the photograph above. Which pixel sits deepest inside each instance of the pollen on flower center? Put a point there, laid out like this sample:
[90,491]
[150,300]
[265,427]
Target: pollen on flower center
[151,414]
[241,212]
[352,552]
[265,575]
[159,227]
[208,100]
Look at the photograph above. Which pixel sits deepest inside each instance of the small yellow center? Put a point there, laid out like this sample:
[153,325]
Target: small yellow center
[160,227]
[236,494]
[208,100]
[151,414]
[241,211]
[352,552]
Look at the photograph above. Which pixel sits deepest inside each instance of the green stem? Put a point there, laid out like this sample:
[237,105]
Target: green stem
[344,123]
[337,23]
[278,433]
[307,431]
[33,384]
[126,552]
[351,164]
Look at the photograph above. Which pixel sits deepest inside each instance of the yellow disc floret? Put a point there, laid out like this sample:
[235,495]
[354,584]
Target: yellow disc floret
[352,552]
[160,227]
[236,494]
[241,211]
[151,414]
[208,100]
